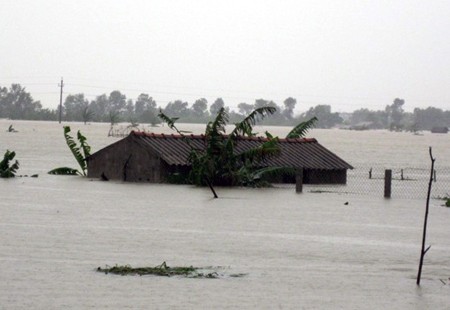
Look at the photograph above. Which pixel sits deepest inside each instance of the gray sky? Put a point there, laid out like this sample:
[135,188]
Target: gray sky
[349,54]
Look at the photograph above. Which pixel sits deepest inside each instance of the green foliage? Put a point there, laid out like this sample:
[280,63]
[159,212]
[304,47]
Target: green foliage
[11,129]
[326,118]
[219,163]
[17,103]
[80,154]
[64,171]
[301,129]
[8,170]
[161,270]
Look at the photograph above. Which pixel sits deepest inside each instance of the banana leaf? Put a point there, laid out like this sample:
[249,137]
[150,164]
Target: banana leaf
[7,170]
[64,171]
[76,150]
[301,129]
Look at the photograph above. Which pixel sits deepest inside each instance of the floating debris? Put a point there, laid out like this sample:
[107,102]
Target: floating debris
[166,271]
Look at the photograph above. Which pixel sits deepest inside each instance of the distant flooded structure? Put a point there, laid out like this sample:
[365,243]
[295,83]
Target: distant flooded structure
[155,158]
[439,130]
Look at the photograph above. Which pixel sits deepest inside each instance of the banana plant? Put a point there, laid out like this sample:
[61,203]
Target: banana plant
[80,153]
[8,170]
[218,163]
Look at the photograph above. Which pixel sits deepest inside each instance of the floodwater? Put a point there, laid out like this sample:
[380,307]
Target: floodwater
[297,251]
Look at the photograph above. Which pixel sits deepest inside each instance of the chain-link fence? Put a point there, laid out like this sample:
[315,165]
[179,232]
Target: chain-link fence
[407,182]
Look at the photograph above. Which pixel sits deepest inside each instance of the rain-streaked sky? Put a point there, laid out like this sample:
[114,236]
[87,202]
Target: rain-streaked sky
[348,54]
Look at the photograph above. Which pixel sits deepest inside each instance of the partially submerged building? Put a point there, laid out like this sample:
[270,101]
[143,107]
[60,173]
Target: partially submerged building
[439,129]
[155,158]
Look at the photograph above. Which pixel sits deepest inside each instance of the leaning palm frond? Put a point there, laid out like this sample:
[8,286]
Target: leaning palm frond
[245,127]
[267,149]
[301,129]
[219,123]
[84,146]
[64,171]
[170,121]
[7,170]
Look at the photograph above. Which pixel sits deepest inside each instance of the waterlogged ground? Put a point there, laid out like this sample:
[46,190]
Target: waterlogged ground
[298,251]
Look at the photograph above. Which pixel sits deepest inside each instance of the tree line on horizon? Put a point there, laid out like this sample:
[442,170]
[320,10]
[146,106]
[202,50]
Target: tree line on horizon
[17,103]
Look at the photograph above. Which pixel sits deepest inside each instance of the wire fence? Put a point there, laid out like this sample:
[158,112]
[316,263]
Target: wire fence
[407,182]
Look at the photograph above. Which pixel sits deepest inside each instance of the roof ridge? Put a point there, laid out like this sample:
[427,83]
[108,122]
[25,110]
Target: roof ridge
[202,136]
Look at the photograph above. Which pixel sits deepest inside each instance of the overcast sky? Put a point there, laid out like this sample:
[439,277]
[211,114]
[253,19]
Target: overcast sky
[348,54]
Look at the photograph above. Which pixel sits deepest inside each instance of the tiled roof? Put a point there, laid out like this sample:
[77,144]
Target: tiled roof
[306,153]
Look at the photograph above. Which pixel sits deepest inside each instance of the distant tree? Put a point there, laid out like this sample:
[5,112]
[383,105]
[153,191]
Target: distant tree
[395,113]
[87,113]
[145,109]
[117,101]
[75,106]
[200,108]
[289,105]
[425,119]
[144,102]
[216,106]
[17,103]
[245,108]
[4,109]
[277,118]
[370,119]
[326,119]
[100,108]
[129,109]
[176,107]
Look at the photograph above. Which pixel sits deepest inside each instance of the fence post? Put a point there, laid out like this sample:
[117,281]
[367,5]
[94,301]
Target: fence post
[387,183]
[299,180]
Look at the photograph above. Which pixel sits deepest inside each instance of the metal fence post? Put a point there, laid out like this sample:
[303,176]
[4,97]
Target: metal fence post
[299,180]
[387,183]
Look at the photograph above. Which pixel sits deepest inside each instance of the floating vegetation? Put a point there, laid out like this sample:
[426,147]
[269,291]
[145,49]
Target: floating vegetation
[446,200]
[11,129]
[166,271]
[8,169]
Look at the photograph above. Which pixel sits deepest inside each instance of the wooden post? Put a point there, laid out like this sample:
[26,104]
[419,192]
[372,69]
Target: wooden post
[299,180]
[387,183]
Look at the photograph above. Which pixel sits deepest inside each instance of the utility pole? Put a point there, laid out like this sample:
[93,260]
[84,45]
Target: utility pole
[61,85]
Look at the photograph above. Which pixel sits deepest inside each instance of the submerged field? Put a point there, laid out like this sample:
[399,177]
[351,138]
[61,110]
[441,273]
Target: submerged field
[309,250]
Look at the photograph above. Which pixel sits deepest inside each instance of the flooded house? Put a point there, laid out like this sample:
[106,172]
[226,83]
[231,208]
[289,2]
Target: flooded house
[439,129]
[156,158]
